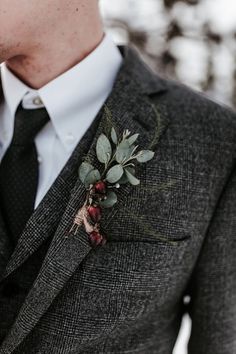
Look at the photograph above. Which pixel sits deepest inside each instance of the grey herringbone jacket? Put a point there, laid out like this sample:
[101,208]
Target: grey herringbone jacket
[171,236]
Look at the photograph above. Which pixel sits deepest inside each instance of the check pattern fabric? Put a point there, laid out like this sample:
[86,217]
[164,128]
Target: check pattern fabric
[172,236]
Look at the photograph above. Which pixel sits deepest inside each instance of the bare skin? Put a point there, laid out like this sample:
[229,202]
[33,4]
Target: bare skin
[39,40]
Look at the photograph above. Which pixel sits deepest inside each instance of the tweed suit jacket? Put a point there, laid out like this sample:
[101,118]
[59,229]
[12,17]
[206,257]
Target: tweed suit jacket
[171,236]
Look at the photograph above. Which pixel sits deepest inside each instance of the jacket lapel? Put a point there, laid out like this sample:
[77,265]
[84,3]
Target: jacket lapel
[131,109]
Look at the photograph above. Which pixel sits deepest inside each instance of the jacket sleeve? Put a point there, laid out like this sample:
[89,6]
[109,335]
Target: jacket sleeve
[213,284]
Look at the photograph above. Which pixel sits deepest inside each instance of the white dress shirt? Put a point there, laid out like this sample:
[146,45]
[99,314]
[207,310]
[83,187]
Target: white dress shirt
[72,100]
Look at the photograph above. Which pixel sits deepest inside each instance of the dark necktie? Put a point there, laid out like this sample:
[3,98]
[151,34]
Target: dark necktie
[19,170]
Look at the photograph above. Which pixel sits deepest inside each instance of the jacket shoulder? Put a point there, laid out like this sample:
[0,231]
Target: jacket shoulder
[195,116]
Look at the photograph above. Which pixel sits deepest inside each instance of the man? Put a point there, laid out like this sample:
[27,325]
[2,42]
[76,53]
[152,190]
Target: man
[64,83]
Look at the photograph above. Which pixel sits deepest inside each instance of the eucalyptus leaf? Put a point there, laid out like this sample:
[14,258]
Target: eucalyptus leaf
[145,155]
[92,177]
[124,178]
[114,173]
[114,136]
[123,151]
[131,178]
[110,201]
[103,149]
[84,170]
[133,138]
[130,169]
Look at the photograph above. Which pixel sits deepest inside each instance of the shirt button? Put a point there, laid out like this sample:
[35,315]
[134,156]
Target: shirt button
[70,138]
[37,101]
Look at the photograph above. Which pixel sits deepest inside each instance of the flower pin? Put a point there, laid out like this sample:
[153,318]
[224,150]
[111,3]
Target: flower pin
[119,157]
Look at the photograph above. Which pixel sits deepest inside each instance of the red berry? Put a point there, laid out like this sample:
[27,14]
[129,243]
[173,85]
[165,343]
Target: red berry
[96,238]
[95,213]
[100,187]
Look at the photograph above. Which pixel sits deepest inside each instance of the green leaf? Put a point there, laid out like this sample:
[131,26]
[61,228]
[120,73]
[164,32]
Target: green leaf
[92,177]
[133,138]
[124,178]
[103,149]
[145,155]
[131,170]
[123,151]
[114,173]
[114,136]
[133,180]
[110,201]
[84,170]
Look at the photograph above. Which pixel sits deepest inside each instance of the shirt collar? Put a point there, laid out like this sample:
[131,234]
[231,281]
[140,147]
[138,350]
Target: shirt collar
[75,97]
[13,89]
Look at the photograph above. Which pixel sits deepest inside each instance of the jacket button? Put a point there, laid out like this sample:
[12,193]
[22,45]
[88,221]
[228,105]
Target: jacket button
[10,289]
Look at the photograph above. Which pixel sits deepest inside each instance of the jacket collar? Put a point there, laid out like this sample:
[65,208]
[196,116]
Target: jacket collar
[128,107]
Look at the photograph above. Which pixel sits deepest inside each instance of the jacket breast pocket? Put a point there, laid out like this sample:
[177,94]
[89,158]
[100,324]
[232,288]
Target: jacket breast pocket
[125,280]
[117,284]
[131,265]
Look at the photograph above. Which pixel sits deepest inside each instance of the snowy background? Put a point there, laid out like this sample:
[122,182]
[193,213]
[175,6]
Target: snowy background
[193,41]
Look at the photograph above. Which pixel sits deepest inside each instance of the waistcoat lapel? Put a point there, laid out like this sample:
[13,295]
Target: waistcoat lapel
[130,109]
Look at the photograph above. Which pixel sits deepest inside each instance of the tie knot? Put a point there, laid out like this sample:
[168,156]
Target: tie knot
[28,122]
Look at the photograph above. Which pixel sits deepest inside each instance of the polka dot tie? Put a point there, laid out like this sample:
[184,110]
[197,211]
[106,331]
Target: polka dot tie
[19,170]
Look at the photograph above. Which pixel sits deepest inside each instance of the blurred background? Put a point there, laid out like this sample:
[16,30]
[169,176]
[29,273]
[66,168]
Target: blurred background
[192,41]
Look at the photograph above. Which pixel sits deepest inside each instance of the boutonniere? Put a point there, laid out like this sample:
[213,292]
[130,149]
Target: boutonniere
[119,156]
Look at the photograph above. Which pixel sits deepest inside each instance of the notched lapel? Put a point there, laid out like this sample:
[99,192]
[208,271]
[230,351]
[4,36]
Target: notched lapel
[128,107]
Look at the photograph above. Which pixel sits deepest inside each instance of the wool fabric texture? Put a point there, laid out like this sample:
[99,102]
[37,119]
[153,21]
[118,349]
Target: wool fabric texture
[172,236]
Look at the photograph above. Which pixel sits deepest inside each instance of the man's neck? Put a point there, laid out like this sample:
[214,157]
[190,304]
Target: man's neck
[38,67]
